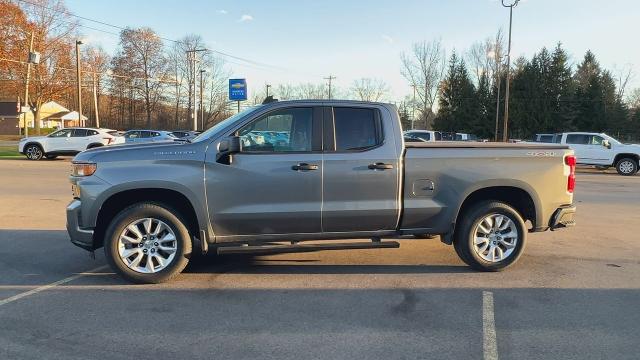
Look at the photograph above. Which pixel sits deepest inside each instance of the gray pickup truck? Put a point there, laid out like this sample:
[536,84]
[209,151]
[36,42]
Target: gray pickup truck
[270,178]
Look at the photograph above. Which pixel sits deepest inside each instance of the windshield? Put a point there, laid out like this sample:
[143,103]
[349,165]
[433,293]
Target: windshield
[224,123]
[611,139]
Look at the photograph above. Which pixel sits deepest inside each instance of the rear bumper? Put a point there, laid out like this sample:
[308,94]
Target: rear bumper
[79,237]
[563,217]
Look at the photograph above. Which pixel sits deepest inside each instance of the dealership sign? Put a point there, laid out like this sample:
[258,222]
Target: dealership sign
[237,89]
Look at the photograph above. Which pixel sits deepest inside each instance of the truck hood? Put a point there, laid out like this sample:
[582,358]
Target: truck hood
[144,151]
[634,148]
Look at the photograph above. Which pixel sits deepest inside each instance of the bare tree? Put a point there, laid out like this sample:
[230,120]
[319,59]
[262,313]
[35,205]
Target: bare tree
[54,31]
[484,56]
[368,89]
[311,91]
[216,87]
[634,99]
[143,50]
[285,92]
[423,68]
[624,76]
[95,65]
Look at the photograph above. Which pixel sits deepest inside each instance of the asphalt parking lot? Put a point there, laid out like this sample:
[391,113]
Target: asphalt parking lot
[575,294]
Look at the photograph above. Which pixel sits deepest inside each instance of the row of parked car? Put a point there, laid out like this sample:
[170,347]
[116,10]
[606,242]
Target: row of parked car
[70,141]
[430,136]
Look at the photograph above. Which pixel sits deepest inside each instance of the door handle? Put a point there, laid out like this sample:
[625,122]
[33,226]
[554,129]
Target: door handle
[380,166]
[304,167]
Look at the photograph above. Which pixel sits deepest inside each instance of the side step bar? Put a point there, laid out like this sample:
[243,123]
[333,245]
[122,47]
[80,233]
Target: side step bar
[298,248]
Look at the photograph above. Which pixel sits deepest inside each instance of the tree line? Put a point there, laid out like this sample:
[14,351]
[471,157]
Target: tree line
[548,94]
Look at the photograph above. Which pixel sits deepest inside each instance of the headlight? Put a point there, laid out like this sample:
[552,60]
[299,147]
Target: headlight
[83,169]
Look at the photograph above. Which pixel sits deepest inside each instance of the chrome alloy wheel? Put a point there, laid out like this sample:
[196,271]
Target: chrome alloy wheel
[626,167]
[147,245]
[495,237]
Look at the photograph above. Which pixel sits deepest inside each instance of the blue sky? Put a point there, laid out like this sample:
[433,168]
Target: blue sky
[354,39]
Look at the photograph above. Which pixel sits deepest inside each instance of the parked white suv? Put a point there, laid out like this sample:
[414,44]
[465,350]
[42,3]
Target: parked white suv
[69,141]
[602,151]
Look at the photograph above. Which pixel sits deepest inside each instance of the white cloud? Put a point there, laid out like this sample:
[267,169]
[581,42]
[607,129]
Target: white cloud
[222,11]
[387,38]
[245,17]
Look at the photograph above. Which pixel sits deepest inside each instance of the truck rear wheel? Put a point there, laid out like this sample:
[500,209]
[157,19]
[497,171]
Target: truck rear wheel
[490,236]
[627,166]
[147,243]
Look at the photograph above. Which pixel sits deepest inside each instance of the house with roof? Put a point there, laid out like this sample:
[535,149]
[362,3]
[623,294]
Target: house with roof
[52,115]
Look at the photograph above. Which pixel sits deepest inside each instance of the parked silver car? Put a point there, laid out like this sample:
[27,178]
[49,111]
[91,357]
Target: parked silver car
[142,136]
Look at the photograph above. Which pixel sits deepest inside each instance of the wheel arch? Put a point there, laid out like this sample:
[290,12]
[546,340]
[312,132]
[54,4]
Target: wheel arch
[121,199]
[519,196]
[94,145]
[24,148]
[620,156]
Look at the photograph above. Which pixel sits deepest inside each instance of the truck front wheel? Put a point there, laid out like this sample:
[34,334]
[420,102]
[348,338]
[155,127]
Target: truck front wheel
[627,166]
[147,243]
[490,236]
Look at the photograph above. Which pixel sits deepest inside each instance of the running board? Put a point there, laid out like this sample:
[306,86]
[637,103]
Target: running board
[298,248]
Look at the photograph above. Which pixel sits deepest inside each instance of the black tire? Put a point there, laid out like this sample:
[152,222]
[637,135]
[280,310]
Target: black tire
[425,236]
[464,237]
[93,146]
[51,157]
[627,166]
[148,210]
[33,152]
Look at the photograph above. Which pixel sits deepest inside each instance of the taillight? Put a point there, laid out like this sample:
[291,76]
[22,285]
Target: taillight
[109,140]
[571,160]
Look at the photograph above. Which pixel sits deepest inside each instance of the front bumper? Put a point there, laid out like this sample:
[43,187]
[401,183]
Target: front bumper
[79,236]
[563,217]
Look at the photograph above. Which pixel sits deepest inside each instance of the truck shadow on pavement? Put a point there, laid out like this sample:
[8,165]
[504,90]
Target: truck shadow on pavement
[248,264]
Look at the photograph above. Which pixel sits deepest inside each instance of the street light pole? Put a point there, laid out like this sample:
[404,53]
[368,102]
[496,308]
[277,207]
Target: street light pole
[78,80]
[202,71]
[191,56]
[505,135]
[95,101]
[413,107]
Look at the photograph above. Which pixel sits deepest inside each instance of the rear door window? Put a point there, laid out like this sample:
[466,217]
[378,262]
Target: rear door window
[578,139]
[356,128]
[79,133]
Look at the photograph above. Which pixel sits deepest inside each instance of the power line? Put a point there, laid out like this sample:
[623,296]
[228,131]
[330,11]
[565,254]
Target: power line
[160,37]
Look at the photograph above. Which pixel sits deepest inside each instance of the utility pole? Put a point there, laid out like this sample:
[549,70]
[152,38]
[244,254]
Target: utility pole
[267,86]
[26,88]
[79,80]
[202,71]
[191,56]
[505,135]
[330,78]
[95,101]
[413,107]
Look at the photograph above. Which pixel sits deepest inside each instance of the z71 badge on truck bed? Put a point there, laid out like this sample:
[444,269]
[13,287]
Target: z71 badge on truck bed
[269,178]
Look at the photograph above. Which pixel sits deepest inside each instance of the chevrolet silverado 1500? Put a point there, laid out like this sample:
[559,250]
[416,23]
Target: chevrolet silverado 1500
[276,175]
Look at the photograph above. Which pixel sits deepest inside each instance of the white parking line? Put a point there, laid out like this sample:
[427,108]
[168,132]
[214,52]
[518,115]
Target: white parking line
[49,286]
[489,343]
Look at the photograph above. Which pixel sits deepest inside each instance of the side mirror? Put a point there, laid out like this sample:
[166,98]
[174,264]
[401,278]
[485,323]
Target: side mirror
[606,144]
[227,147]
[230,145]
